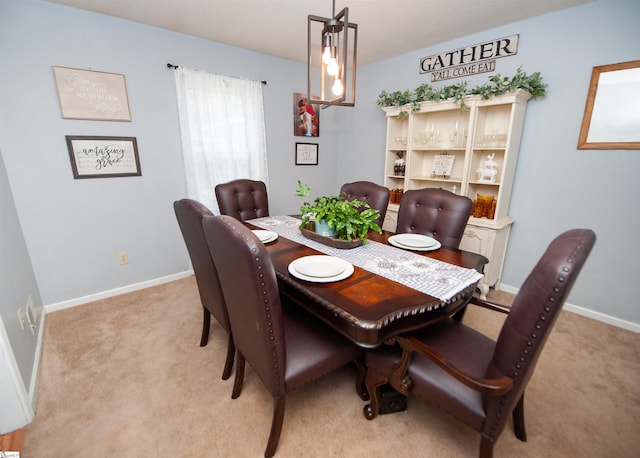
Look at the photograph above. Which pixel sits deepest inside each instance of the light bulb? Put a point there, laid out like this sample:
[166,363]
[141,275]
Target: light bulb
[326,55]
[332,68]
[337,87]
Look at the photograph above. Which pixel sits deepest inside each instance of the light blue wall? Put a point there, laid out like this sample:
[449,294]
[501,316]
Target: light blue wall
[557,187]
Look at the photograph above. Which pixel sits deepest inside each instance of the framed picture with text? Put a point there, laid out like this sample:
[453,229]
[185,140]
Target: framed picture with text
[103,157]
[87,94]
[306,154]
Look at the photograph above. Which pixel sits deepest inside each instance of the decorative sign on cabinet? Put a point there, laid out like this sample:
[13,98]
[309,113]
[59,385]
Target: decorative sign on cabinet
[471,152]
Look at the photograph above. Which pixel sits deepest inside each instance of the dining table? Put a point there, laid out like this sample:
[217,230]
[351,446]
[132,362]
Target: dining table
[385,292]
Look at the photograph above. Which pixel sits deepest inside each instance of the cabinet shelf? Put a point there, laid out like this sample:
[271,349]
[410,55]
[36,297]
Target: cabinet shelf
[453,180]
[438,150]
[488,183]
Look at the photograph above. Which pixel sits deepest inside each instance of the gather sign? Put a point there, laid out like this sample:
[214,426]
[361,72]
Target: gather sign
[471,60]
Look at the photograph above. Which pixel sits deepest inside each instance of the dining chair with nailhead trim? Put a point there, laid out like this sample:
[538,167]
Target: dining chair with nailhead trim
[190,214]
[285,346]
[243,199]
[435,212]
[370,193]
[465,373]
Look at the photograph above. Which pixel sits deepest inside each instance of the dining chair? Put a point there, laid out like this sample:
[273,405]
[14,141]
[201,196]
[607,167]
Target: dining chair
[435,212]
[190,214]
[243,199]
[467,374]
[286,347]
[370,193]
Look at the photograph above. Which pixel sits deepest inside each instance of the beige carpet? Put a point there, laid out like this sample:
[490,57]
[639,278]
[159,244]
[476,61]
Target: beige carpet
[125,377]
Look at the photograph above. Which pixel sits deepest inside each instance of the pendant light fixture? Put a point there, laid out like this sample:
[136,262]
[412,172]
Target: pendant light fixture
[335,60]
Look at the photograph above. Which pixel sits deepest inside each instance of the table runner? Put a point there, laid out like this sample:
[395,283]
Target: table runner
[430,276]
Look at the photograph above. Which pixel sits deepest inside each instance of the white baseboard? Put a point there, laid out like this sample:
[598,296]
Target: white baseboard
[115,292]
[608,319]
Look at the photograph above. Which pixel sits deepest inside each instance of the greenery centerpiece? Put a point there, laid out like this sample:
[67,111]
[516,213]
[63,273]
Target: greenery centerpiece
[349,219]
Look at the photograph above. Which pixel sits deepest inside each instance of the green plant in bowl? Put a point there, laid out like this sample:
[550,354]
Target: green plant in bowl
[350,219]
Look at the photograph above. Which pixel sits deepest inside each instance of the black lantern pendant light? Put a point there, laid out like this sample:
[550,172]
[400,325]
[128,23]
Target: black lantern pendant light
[336,59]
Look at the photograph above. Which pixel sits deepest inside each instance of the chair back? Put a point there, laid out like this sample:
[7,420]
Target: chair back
[435,212]
[243,199]
[190,214]
[533,314]
[370,193]
[253,299]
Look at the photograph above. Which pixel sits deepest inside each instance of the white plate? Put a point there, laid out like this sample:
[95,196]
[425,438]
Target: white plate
[321,268]
[413,243]
[415,240]
[266,236]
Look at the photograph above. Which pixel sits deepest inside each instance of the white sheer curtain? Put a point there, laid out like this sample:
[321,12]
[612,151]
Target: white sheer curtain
[223,133]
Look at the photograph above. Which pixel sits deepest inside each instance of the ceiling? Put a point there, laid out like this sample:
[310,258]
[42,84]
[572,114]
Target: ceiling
[386,28]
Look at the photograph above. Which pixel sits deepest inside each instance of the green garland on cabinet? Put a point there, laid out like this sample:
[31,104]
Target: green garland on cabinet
[497,85]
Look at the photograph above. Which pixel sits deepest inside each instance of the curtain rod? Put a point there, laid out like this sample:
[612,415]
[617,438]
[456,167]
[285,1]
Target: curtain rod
[175,67]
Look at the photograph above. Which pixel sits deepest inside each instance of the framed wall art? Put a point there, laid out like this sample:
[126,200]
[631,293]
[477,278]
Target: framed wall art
[306,154]
[87,94]
[103,157]
[306,116]
[612,111]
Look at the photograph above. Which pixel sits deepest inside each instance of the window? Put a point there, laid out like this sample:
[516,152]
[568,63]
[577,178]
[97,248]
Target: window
[223,133]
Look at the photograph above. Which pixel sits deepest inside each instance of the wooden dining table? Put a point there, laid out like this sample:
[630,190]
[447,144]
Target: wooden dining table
[366,307]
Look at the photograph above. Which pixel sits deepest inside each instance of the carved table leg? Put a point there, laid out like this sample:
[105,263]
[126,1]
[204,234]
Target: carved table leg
[373,381]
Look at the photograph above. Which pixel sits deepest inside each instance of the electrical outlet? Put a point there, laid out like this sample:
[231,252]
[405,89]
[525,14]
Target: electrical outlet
[124,258]
[23,321]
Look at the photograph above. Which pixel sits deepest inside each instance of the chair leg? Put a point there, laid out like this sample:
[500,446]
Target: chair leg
[228,364]
[206,324]
[486,448]
[518,420]
[373,381]
[237,384]
[276,427]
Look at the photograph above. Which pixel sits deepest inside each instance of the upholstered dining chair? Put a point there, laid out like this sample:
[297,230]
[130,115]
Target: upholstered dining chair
[190,214]
[370,193]
[285,347]
[435,212]
[243,199]
[465,373]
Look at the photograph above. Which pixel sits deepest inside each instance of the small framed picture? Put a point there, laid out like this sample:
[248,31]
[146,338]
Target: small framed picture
[103,157]
[306,153]
[306,116]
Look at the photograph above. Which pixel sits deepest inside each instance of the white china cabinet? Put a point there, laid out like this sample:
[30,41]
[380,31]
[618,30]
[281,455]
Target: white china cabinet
[470,151]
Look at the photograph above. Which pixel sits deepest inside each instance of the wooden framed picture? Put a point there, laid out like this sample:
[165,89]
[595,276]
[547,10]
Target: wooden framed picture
[306,116]
[612,111]
[86,94]
[103,157]
[306,154]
